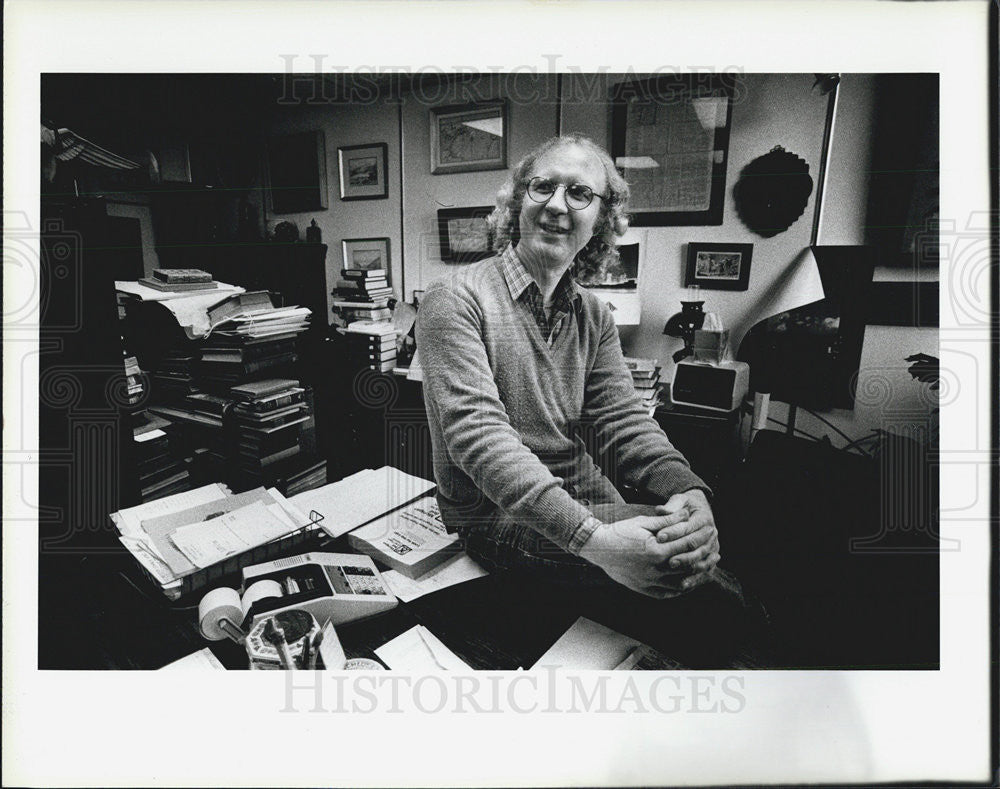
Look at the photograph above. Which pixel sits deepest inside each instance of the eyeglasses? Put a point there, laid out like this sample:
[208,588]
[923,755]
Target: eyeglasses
[578,196]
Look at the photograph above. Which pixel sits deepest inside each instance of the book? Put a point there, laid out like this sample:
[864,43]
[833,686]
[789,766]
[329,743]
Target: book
[633,363]
[174,275]
[356,303]
[363,285]
[208,403]
[363,273]
[411,540]
[156,284]
[372,328]
[247,353]
[644,375]
[646,383]
[271,403]
[370,342]
[371,357]
[254,390]
[251,302]
[376,314]
[235,369]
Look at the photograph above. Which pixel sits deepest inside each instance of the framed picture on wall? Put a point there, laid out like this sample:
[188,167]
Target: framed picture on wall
[469,137]
[670,140]
[362,172]
[718,266]
[367,254]
[296,173]
[465,234]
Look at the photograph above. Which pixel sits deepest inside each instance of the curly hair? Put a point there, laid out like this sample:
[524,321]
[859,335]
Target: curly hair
[599,253]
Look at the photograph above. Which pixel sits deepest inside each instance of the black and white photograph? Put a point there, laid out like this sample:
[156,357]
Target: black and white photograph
[719,266]
[426,477]
[363,172]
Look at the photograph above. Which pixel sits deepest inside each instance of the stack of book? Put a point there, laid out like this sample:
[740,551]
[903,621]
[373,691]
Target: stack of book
[173,375]
[363,294]
[180,280]
[133,380]
[160,474]
[250,337]
[371,344]
[646,379]
[269,417]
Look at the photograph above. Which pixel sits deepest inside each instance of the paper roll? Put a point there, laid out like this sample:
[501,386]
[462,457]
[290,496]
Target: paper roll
[219,604]
[259,591]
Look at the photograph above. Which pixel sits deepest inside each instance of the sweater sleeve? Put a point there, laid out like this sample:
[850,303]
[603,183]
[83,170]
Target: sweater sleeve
[628,437]
[463,401]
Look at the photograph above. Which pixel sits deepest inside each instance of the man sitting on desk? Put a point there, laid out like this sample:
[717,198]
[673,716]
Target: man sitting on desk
[515,356]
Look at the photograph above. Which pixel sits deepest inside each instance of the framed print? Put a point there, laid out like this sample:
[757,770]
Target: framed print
[296,173]
[362,172]
[469,137]
[670,140]
[465,234]
[367,254]
[718,266]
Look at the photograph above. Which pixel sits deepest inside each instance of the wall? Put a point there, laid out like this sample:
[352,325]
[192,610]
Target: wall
[772,109]
[531,119]
[343,125]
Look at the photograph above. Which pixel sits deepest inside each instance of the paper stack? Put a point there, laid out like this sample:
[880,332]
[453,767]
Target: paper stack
[411,540]
[177,536]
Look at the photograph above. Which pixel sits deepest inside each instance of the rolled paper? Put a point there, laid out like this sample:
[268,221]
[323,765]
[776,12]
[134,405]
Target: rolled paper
[259,591]
[219,604]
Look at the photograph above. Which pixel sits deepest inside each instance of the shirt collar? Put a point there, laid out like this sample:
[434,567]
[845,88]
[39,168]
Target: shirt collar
[519,280]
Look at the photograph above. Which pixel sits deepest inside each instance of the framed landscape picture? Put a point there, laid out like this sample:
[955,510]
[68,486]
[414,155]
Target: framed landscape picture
[296,173]
[465,235]
[362,172]
[719,266]
[367,254]
[469,137]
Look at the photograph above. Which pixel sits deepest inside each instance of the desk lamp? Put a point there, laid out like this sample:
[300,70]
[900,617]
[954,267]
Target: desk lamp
[684,323]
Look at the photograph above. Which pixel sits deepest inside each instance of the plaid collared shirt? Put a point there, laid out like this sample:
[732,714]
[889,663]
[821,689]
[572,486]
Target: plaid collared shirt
[525,290]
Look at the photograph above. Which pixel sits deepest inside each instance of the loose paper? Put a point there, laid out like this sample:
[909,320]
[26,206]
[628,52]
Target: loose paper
[588,645]
[419,651]
[205,544]
[197,661]
[457,570]
[360,498]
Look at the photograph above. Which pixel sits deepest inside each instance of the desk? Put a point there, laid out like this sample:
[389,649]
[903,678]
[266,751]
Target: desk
[710,440]
[122,621]
[785,527]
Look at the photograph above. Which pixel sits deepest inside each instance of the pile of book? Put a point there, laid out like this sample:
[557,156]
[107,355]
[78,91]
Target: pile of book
[269,417]
[363,294]
[173,375]
[646,379]
[160,472]
[180,280]
[179,537]
[371,345]
[133,380]
[249,336]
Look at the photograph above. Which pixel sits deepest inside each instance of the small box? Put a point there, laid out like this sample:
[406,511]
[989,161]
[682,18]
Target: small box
[710,346]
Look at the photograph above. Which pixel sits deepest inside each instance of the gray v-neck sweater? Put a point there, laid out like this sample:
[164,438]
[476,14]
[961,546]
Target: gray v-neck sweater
[505,409]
